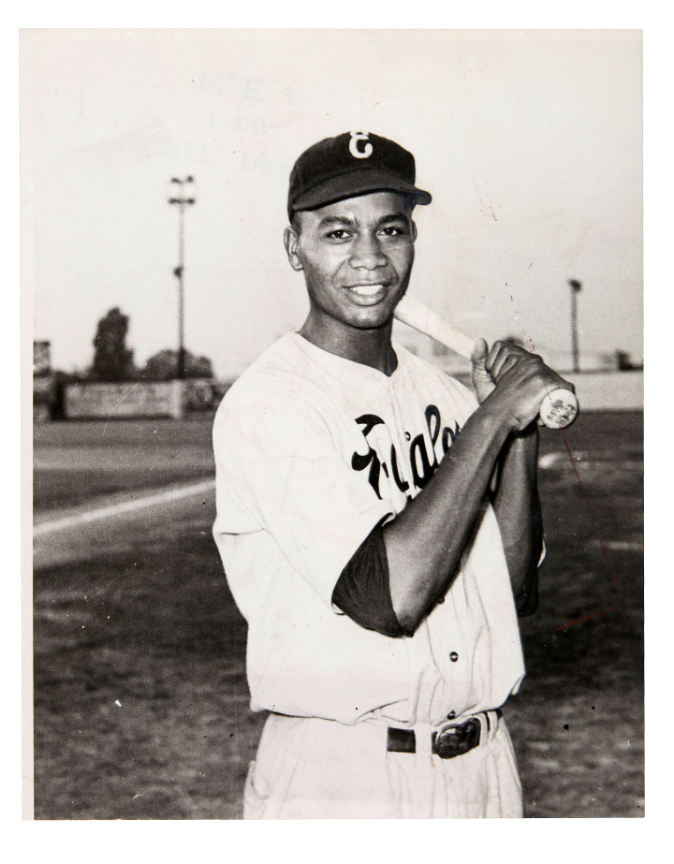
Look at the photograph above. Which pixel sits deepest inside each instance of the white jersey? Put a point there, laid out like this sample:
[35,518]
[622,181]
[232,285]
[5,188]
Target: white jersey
[312,452]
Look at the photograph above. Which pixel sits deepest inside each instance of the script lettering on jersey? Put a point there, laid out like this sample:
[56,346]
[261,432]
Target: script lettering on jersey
[382,457]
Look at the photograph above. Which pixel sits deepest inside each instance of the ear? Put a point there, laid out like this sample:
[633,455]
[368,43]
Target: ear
[291,241]
[414,231]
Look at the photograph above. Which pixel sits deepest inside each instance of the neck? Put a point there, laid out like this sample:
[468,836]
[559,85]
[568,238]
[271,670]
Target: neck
[371,347]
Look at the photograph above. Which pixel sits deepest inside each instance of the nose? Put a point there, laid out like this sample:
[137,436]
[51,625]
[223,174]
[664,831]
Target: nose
[366,253]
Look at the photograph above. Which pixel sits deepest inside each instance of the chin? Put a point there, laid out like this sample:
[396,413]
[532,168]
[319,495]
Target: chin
[373,318]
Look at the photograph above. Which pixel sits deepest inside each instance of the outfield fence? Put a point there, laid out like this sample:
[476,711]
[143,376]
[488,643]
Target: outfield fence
[609,391]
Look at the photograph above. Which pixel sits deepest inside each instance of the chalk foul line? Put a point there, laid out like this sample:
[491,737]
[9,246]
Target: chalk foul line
[107,512]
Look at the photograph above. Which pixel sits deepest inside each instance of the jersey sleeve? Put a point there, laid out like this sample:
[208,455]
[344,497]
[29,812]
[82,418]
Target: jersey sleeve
[279,470]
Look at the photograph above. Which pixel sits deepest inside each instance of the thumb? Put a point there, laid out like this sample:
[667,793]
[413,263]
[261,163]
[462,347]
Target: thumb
[482,381]
[479,353]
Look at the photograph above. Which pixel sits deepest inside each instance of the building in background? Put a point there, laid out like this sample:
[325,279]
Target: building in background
[44,392]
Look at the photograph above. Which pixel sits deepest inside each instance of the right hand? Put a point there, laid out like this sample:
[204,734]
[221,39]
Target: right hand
[520,382]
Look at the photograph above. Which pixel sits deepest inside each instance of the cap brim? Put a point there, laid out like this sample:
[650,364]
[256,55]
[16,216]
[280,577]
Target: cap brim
[357,183]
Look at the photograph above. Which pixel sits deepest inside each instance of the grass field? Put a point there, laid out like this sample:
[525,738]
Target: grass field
[79,461]
[141,704]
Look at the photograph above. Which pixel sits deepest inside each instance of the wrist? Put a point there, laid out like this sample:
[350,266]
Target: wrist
[498,413]
[527,437]
[521,449]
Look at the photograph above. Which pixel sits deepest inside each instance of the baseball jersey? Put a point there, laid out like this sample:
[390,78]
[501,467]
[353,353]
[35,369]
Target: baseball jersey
[312,452]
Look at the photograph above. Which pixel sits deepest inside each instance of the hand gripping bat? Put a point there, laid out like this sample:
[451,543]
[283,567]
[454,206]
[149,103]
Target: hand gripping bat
[558,408]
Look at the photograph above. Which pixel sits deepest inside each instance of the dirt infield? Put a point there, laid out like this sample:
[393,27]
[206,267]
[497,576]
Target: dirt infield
[141,704]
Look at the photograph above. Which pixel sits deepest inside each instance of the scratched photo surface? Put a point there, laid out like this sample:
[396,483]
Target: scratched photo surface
[530,143]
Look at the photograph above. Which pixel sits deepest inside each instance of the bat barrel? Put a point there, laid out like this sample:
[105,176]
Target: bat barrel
[559,408]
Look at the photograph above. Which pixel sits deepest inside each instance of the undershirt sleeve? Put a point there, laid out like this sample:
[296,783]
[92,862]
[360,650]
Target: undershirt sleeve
[362,591]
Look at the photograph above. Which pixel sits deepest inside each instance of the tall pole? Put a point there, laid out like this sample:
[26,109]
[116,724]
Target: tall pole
[180,269]
[181,198]
[575,286]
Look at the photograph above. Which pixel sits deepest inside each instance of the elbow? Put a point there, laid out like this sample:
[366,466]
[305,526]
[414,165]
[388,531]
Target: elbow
[417,596]
[408,623]
[410,615]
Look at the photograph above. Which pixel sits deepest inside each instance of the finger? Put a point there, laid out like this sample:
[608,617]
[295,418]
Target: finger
[508,363]
[504,353]
[491,357]
[533,372]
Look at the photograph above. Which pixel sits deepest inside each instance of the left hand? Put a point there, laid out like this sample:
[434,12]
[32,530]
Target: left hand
[489,365]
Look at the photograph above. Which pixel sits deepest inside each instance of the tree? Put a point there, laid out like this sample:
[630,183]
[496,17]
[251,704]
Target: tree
[163,366]
[623,361]
[113,361]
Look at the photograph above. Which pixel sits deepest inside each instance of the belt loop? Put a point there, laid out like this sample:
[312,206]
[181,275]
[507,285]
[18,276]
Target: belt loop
[492,721]
[424,739]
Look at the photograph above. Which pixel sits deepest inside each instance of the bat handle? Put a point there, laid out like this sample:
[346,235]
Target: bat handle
[558,408]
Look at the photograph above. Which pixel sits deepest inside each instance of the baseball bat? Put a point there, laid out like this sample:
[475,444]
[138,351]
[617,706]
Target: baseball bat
[558,408]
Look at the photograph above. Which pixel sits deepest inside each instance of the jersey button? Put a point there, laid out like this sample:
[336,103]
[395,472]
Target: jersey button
[451,715]
[453,656]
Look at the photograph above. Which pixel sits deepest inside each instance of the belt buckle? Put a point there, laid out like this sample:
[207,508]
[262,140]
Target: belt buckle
[455,740]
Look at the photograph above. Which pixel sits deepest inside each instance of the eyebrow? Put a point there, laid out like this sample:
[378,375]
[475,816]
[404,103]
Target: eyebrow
[327,221]
[395,217]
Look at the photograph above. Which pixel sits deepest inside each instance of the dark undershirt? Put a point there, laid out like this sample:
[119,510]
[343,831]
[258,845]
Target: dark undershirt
[362,591]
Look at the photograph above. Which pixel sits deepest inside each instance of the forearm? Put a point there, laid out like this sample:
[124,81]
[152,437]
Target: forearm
[518,509]
[425,543]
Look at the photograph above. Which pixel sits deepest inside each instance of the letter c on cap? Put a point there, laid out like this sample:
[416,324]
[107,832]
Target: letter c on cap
[354,149]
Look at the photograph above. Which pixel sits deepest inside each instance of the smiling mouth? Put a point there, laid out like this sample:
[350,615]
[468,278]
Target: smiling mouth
[369,293]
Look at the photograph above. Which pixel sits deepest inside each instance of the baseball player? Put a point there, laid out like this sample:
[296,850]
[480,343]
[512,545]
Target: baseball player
[379,524]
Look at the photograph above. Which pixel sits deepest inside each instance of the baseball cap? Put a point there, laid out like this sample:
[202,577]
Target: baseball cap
[351,164]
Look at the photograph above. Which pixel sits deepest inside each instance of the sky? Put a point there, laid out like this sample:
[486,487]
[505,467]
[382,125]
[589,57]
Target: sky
[529,141]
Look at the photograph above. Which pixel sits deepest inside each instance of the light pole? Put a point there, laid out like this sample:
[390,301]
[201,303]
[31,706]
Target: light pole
[575,286]
[182,195]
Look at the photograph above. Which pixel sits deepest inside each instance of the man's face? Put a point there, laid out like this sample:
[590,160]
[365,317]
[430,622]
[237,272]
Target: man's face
[357,256]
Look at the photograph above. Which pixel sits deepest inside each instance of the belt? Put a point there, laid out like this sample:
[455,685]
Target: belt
[447,742]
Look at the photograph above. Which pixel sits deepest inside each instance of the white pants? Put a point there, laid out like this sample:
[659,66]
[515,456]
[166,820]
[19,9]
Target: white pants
[315,769]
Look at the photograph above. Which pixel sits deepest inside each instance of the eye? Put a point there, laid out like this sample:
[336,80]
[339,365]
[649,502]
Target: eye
[338,234]
[393,231]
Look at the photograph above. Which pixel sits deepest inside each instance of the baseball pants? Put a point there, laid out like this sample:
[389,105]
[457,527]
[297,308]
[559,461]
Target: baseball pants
[308,768]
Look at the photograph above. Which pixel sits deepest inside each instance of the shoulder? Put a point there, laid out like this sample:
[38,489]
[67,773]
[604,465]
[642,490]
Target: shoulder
[277,392]
[277,377]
